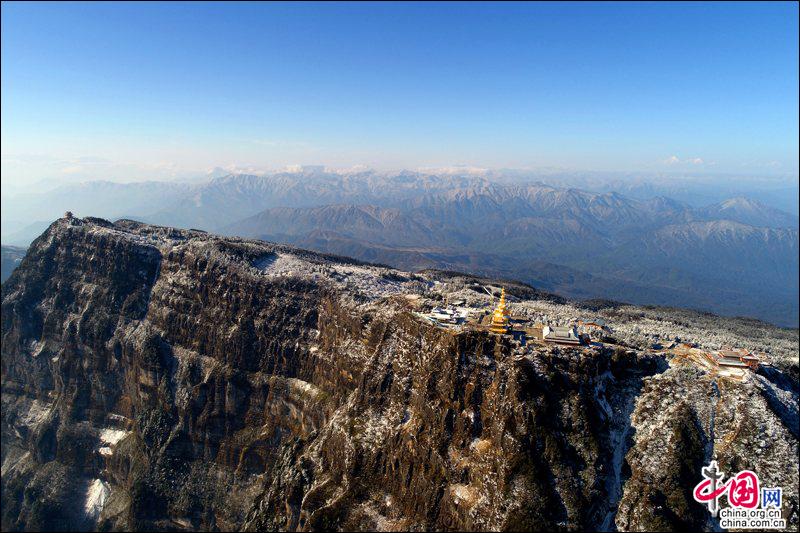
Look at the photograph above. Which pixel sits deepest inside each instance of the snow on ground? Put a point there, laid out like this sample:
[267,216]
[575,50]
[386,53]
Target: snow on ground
[280,264]
[371,281]
[112,436]
[96,496]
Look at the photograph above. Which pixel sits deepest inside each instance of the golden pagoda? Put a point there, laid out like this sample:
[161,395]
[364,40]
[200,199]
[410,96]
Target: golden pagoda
[500,316]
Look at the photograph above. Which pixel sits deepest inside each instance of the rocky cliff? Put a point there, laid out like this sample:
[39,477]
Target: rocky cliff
[155,378]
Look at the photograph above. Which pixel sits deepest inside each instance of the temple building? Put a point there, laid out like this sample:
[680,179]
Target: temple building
[447,315]
[500,317]
[592,325]
[561,335]
[735,358]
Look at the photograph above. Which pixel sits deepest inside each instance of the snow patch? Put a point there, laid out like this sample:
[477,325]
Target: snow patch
[281,265]
[96,496]
[112,436]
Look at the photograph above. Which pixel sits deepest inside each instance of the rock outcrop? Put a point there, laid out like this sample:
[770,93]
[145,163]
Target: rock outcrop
[163,379]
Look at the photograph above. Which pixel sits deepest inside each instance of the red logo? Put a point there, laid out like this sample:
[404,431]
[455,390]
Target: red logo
[742,489]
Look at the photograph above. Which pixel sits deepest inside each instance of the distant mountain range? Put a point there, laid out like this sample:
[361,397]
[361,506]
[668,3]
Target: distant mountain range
[735,257]
[749,212]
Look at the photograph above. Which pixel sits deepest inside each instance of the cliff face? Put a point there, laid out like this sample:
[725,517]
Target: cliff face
[164,379]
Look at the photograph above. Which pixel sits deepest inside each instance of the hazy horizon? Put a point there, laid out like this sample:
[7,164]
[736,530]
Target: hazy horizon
[101,91]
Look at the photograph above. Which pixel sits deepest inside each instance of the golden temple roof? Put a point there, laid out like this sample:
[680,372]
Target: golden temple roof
[500,317]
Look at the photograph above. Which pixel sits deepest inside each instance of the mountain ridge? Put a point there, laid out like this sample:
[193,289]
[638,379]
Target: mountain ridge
[157,378]
[603,235]
[501,225]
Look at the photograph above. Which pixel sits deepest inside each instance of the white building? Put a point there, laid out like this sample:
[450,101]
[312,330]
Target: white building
[561,335]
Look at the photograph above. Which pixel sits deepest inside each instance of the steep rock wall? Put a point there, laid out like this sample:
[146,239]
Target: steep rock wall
[163,379]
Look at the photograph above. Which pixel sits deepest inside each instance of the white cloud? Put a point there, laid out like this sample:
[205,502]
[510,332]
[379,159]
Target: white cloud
[675,160]
[455,169]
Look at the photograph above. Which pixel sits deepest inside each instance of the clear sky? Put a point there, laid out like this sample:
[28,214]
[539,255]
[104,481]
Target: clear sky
[145,90]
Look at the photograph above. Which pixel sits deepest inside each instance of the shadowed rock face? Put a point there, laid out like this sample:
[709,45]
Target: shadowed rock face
[163,379]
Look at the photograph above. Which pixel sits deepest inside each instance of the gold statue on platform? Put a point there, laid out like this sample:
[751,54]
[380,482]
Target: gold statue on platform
[500,317]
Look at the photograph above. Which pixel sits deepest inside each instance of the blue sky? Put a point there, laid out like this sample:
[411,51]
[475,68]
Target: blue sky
[145,90]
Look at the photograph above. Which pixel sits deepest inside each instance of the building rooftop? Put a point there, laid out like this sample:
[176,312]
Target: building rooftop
[561,334]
